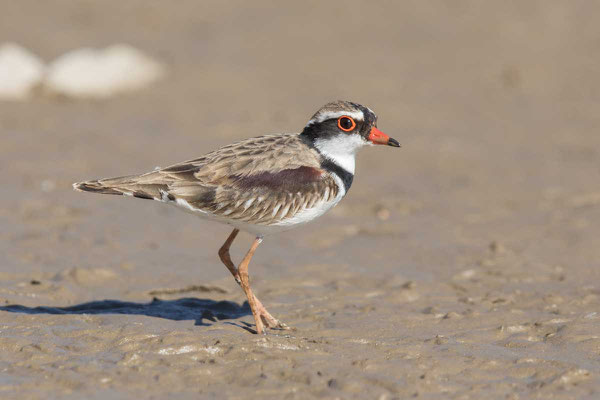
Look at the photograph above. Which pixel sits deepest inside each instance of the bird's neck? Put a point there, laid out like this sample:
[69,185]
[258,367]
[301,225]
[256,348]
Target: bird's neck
[335,158]
[341,150]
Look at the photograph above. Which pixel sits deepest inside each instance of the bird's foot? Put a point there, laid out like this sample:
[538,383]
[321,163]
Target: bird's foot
[268,320]
[273,323]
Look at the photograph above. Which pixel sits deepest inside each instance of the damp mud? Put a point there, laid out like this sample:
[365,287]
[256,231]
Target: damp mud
[464,265]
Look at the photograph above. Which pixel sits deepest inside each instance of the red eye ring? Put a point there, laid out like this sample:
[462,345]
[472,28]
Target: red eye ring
[344,120]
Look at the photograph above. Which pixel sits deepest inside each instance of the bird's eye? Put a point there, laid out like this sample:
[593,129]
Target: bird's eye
[346,124]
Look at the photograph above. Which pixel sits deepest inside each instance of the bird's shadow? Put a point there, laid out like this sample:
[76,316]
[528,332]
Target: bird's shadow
[199,310]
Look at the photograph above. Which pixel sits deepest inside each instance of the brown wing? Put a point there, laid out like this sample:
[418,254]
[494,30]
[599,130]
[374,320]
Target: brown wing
[259,180]
[269,197]
[251,156]
[262,180]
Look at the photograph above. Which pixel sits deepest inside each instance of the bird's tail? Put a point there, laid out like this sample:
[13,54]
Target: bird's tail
[132,185]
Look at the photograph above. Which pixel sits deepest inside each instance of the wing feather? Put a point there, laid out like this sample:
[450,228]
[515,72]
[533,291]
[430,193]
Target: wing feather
[261,180]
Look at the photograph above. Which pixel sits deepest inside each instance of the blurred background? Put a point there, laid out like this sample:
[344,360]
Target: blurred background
[494,195]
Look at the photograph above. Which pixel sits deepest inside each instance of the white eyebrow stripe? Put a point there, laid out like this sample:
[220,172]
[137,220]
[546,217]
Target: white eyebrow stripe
[356,115]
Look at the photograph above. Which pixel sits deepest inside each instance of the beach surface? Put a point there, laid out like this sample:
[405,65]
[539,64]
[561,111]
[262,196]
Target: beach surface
[464,265]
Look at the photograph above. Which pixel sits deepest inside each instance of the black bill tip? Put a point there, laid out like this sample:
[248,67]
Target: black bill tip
[393,143]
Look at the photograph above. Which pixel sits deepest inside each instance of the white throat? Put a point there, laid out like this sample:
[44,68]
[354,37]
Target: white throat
[341,149]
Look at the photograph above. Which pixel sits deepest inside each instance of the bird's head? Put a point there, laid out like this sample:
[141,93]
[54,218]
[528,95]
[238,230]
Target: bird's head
[349,124]
[340,128]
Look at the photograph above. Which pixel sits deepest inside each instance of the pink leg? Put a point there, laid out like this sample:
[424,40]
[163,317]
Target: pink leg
[258,310]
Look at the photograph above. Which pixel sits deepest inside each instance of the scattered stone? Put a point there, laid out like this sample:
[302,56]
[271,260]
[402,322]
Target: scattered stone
[514,328]
[430,310]
[438,339]
[333,383]
[466,274]
[497,247]
[527,361]
[486,262]
[409,285]
[452,315]
[574,376]
[382,213]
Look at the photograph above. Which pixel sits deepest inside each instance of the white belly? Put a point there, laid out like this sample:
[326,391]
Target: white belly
[301,217]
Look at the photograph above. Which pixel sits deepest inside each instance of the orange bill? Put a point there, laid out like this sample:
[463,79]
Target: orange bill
[378,137]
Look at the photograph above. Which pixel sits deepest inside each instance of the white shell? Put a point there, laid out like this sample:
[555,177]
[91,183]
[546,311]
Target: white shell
[20,72]
[100,73]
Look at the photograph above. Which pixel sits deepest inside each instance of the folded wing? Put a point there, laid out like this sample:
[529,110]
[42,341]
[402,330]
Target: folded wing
[261,180]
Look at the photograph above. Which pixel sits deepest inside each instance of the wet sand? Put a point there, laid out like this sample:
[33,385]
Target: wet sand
[463,265]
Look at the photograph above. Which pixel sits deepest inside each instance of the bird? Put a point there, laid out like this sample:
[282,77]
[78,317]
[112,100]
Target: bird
[262,185]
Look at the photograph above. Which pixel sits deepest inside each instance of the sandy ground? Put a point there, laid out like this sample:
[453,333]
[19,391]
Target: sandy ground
[462,266]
